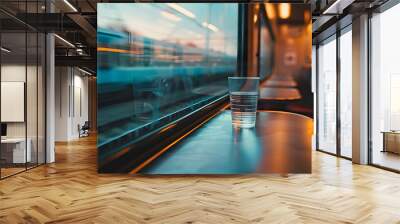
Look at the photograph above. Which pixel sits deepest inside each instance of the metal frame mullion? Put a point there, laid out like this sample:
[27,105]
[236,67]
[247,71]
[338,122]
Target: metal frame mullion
[37,91]
[338,94]
[317,97]
[26,87]
[369,78]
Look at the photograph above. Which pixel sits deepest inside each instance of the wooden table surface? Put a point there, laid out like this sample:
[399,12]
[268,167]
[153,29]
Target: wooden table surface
[280,143]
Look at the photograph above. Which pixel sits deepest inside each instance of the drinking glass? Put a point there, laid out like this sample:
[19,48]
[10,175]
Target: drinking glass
[243,93]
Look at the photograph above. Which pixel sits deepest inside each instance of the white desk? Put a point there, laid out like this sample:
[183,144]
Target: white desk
[19,155]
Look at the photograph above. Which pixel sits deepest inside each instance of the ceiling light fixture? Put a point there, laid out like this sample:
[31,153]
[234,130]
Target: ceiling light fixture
[337,7]
[79,51]
[70,5]
[5,50]
[181,10]
[284,10]
[64,40]
[84,71]
[210,26]
[270,9]
[170,16]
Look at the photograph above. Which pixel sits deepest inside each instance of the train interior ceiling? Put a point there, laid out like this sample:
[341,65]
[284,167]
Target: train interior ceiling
[273,43]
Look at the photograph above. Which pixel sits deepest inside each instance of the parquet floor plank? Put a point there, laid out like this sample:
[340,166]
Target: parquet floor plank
[71,191]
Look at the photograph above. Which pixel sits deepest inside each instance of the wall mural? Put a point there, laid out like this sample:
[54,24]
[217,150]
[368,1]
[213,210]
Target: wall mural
[161,62]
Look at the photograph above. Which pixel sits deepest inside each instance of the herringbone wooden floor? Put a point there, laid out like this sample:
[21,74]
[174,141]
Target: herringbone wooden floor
[71,191]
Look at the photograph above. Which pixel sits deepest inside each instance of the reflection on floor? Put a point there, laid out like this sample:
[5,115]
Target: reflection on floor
[71,191]
[10,171]
[346,152]
[387,159]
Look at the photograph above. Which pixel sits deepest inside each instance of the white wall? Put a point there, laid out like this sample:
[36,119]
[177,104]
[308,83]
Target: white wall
[33,127]
[16,73]
[71,94]
[62,81]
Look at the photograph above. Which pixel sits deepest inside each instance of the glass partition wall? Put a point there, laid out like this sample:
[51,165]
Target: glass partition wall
[327,96]
[385,89]
[334,94]
[22,93]
[345,91]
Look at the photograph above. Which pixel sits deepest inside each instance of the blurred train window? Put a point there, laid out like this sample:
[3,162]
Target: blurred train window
[160,61]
